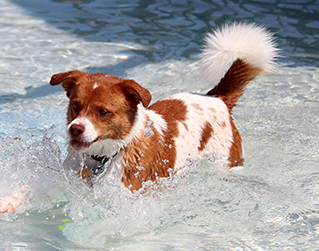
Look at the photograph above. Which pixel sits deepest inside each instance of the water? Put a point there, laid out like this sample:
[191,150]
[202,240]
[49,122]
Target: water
[271,203]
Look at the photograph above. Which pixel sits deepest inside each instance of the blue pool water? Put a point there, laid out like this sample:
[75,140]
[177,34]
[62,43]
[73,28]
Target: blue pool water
[271,203]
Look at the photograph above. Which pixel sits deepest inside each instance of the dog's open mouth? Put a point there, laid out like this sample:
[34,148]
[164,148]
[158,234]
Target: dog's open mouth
[82,146]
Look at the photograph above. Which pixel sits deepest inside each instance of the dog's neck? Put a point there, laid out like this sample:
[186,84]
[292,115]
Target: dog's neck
[103,159]
[145,121]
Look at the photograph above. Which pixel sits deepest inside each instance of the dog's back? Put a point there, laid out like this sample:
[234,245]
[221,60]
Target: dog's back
[232,57]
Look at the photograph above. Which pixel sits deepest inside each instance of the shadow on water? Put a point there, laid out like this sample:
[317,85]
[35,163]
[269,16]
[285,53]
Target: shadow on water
[175,29]
[47,89]
[31,92]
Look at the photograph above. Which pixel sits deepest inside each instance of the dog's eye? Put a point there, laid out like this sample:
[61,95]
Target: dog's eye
[102,112]
[75,106]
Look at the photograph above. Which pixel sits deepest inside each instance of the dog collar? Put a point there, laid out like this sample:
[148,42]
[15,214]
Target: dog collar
[105,163]
[102,159]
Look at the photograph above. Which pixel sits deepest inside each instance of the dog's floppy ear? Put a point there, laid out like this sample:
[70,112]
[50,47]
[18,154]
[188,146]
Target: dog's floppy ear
[135,93]
[67,79]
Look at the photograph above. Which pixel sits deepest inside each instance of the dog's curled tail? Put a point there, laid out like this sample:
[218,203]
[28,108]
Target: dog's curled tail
[233,56]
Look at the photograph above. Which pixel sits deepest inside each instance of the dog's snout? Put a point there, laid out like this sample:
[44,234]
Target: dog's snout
[76,130]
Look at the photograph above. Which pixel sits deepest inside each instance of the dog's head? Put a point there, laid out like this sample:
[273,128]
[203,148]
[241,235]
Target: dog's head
[101,106]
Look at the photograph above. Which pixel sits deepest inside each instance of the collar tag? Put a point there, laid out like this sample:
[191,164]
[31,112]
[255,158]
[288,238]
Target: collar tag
[100,169]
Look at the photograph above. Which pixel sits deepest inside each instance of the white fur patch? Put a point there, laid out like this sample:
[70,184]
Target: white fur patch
[249,42]
[95,85]
[149,117]
[89,133]
[201,110]
[158,122]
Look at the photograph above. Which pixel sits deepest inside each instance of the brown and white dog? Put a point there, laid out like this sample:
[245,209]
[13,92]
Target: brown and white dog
[111,126]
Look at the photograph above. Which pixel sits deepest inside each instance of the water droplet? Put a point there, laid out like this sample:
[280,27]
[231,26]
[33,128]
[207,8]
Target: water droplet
[148,131]
[170,171]
[140,168]
[189,162]
[150,123]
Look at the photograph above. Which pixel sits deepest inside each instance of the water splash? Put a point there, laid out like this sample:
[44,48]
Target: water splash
[36,164]
[98,217]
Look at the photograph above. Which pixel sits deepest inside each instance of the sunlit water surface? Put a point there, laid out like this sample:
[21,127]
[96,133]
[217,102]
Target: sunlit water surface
[270,203]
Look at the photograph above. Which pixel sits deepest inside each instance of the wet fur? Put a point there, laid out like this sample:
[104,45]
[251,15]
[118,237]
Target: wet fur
[183,125]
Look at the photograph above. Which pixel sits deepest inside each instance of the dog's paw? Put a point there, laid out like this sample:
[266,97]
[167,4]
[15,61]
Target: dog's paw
[10,203]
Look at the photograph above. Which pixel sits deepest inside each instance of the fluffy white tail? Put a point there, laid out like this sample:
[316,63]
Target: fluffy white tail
[233,56]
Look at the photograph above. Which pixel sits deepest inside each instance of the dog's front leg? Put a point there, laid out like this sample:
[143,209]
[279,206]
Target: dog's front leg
[10,203]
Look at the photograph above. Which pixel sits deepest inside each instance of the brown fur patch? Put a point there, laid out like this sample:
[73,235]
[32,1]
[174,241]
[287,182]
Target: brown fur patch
[236,151]
[74,78]
[206,135]
[147,158]
[231,86]
[154,155]
[172,111]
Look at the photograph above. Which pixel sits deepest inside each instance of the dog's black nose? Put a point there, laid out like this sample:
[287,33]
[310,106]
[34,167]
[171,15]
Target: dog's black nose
[76,130]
